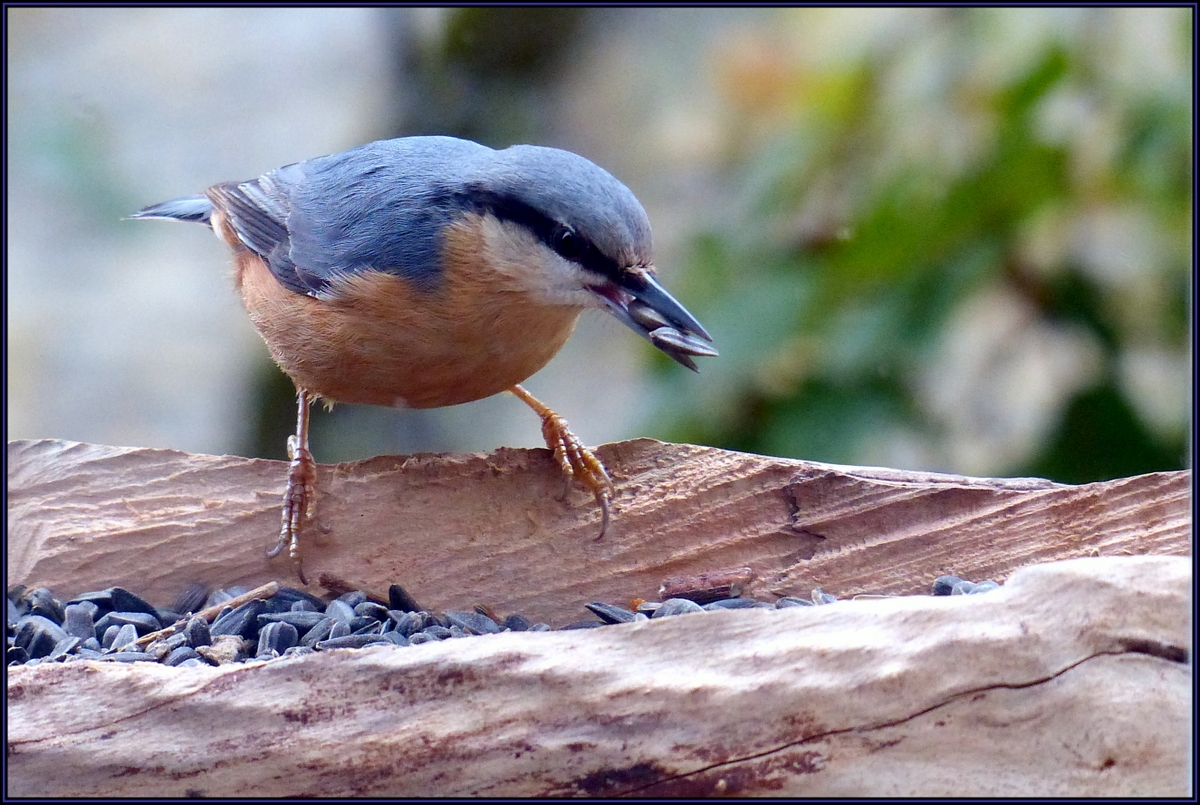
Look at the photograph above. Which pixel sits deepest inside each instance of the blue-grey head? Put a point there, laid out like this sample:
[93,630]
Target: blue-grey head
[588,236]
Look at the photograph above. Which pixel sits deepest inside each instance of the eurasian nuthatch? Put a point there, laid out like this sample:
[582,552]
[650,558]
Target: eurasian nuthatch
[430,271]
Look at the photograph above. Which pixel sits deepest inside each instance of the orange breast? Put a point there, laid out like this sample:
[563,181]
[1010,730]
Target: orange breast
[379,340]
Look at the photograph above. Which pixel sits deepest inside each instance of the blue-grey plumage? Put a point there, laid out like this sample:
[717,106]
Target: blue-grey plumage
[387,203]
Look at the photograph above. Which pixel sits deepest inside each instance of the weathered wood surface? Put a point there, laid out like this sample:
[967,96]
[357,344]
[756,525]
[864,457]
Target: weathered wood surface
[503,529]
[1071,680]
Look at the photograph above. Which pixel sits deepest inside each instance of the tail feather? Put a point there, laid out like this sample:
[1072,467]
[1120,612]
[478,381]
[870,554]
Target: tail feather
[197,209]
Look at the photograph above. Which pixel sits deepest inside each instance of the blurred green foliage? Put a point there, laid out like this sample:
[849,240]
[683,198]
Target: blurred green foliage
[863,217]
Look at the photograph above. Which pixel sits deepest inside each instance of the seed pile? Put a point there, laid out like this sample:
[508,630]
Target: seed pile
[114,625]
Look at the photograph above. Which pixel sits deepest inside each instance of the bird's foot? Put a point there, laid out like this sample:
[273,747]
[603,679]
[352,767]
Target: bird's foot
[576,461]
[299,494]
[579,464]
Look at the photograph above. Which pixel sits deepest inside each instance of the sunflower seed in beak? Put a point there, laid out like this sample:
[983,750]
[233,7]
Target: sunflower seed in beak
[647,316]
[672,341]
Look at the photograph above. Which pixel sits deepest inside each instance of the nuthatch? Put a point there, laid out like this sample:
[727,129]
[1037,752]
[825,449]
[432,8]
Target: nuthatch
[430,271]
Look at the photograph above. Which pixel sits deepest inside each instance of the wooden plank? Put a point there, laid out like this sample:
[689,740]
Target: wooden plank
[504,529]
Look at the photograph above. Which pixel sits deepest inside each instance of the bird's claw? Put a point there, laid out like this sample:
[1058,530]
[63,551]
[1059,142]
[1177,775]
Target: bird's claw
[579,464]
[576,461]
[297,502]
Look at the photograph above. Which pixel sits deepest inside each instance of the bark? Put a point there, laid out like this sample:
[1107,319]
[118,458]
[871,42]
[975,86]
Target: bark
[1072,680]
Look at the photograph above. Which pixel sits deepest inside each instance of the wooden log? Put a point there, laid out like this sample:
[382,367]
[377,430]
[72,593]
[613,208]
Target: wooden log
[505,530]
[1072,680]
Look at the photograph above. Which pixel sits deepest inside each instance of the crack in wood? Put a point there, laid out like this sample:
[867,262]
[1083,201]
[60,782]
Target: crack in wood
[1129,646]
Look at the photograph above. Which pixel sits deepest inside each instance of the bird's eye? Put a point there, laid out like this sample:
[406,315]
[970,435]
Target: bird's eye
[564,241]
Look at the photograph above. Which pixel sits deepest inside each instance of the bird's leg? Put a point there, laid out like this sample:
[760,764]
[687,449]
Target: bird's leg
[576,461]
[301,483]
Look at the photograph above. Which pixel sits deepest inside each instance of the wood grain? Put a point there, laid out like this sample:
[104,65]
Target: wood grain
[504,529]
[1072,680]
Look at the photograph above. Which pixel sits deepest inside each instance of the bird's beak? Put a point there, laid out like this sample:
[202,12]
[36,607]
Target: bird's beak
[645,307]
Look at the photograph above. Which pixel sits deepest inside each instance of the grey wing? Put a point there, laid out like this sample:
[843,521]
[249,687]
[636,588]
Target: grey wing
[258,212]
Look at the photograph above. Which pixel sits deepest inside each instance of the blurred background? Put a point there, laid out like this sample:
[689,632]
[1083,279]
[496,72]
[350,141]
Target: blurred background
[942,239]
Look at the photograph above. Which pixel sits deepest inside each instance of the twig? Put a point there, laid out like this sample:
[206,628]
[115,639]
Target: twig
[264,592]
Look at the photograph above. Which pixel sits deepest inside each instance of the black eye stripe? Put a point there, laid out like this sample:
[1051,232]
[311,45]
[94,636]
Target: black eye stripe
[548,231]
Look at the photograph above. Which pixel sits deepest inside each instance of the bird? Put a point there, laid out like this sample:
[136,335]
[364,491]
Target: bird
[429,271]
